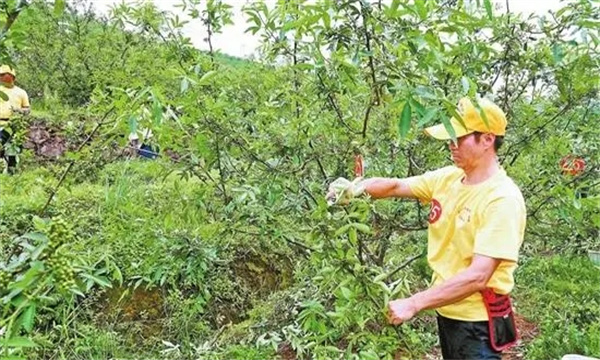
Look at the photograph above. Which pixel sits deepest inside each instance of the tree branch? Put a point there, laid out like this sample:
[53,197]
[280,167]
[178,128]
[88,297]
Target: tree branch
[11,17]
[68,169]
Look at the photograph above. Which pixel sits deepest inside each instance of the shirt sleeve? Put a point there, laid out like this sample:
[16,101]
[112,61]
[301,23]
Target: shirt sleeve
[24,100]
[503,227]
[422,186]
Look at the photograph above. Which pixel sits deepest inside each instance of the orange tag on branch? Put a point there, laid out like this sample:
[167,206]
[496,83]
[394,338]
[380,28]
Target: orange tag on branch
[359,169]
[572,165]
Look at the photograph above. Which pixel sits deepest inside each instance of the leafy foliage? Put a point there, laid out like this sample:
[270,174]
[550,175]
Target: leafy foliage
[224,247]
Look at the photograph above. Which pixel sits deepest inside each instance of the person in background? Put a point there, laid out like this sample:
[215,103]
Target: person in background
[13,100]
[143,148]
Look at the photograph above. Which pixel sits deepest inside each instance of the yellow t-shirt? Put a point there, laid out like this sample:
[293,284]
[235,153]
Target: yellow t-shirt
[17,98]
[486,219]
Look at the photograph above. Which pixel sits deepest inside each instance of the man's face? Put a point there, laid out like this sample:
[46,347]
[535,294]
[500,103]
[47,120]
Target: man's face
[7,78]
[469,149]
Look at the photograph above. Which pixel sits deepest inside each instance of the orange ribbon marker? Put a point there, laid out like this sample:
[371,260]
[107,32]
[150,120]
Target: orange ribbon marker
[359,169]
[572,165]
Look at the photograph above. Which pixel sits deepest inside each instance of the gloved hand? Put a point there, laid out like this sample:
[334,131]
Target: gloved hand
[20,110]
[342,190]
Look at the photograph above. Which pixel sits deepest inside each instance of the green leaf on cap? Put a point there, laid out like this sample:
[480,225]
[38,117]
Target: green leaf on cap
[404,123]
[452,110]
[449,128]
[481,113]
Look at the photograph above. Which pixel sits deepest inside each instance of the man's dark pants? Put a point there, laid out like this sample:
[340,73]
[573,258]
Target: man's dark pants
[465,339]
[11,160]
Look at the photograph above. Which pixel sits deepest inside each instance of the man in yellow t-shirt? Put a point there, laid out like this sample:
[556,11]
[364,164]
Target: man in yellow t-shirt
[476,228]
[12,100]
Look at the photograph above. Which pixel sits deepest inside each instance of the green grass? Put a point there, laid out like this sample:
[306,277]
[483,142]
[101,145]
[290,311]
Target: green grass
[562,295]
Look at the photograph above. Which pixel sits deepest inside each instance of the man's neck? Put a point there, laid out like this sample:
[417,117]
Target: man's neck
[485,170]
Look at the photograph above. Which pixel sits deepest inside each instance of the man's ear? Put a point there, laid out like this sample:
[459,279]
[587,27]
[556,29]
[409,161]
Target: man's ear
[489,140]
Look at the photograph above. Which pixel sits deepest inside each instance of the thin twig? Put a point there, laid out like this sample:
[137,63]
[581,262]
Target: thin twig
[68,169]
[405,264]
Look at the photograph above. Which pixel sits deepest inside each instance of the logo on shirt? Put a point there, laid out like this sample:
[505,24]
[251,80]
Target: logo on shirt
[464,216]
[435,212]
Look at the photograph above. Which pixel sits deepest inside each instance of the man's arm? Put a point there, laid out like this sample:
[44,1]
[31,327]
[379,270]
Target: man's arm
[377,188]
[464,284]
[380,188]
[25,106]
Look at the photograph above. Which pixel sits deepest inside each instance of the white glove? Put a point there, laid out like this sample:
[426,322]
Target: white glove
[342,190]
[20,110]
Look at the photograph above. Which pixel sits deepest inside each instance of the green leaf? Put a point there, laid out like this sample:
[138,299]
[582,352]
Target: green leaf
[380,277]
[35,236]
[362,228]
[157,111]
[352,235]
[77,292]
[424,92]
[488,8]
[594,38]
[140,95]
[100,280]
[481,113]
[117,275]
[27,318]
[557,53]
[465,85]
[18,342]
[252,29]
[429,115]
[342,230]
[205,79]
[404,123]
[393,10]
[3,96]
[449,128]
[421,9]
[38,251]
[346,293]
[384,287]
[452,110]
[326,19]
[419,109]
[59,7]
[185,84]
[133,124]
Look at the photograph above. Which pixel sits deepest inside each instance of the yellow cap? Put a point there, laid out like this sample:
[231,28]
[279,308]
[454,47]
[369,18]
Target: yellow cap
[496,120]
[5,69]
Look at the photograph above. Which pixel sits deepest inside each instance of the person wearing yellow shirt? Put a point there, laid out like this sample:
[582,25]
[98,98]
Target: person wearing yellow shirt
[17,102]
[476,228]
